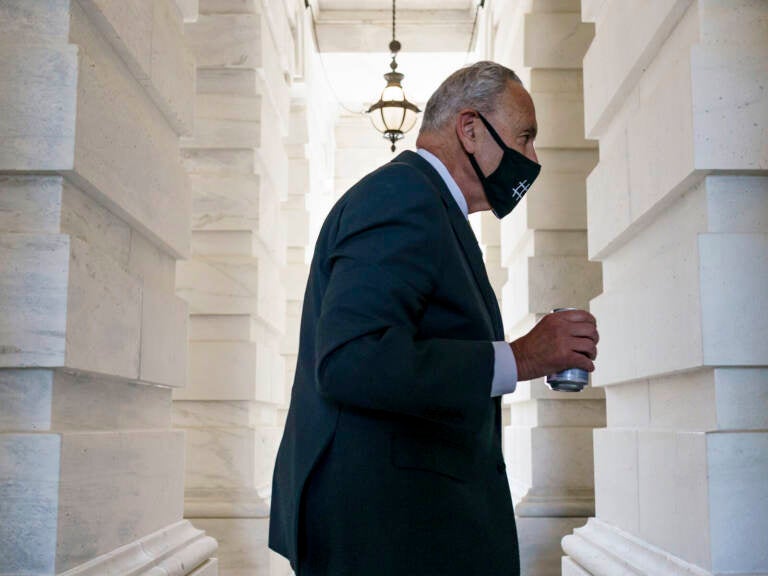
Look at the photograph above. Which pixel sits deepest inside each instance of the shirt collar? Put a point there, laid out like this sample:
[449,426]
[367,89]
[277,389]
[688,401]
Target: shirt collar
[447,178]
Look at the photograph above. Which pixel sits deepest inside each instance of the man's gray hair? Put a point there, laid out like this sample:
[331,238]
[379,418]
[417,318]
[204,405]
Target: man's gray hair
[476,86]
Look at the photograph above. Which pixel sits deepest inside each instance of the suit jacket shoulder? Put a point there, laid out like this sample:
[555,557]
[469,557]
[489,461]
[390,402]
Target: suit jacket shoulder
[394,189]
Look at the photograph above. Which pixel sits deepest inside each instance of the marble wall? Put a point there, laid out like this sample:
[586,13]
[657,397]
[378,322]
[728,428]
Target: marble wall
[241,279]
[543,255]
[360,149]
[678,216]
[145,368]
[93,216]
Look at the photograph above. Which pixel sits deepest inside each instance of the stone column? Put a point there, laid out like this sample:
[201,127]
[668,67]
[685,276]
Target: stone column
[488,232]
[296,223]
[94,208]
[548,443]
[360,149]
[677,94]
[238,171]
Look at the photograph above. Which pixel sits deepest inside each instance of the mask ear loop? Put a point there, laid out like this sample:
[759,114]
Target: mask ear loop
[476,167]
[482,177]
[494,134]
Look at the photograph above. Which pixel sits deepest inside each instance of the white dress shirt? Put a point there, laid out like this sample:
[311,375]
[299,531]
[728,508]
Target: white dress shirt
[504,364]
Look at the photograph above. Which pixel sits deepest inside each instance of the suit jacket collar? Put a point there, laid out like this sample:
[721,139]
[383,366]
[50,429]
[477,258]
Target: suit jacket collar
[464,233]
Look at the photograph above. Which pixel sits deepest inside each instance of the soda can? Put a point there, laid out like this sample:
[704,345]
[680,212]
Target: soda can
[570,379]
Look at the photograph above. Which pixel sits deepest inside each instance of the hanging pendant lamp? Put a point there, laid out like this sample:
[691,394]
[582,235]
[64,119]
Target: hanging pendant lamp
[393,115]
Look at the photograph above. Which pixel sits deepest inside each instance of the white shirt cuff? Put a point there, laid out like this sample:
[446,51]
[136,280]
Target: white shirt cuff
[504,370]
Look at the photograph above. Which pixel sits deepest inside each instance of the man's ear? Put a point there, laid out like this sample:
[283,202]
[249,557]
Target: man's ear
[466,129]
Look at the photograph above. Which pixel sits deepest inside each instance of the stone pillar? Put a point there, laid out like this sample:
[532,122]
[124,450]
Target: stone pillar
[360,149]
[94,208]
[677,94]
[548,443]
[308,145]
[296,223]
[238,170]
[488,232]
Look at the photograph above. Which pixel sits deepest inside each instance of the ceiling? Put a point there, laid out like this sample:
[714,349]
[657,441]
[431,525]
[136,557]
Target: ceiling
[366,25]
[353,38]
[362,5]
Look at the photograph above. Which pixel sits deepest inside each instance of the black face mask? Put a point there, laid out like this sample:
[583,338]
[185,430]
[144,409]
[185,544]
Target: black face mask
[507,185]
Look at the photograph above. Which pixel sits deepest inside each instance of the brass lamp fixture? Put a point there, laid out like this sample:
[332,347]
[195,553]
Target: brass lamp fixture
[393,115]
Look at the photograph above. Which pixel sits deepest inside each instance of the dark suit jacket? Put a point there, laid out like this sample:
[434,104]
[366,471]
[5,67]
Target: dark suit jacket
[391,463]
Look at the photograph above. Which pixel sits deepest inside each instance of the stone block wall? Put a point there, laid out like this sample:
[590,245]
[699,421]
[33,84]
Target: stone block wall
[543,255]
[235,281]
[295,215]
[93,216]
[360,149]
[134,391]
[677,211]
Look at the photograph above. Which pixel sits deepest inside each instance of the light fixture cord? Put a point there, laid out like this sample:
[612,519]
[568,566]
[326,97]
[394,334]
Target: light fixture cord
[393,20]
[308,5]
[480,4]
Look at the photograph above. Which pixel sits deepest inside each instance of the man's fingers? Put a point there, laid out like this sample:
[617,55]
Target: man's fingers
[581,361]
[585,346]
[577,316]
[585,330]
[566,339]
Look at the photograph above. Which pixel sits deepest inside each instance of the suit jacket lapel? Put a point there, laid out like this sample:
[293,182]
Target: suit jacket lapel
[464,233]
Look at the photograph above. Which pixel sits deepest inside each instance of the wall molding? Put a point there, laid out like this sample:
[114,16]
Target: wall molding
[603,550]
[177,550]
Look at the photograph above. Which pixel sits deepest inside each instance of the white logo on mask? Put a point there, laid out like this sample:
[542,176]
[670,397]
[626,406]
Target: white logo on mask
[520,190]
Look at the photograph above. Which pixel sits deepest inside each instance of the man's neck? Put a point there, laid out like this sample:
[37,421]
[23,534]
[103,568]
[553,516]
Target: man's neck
[458,167]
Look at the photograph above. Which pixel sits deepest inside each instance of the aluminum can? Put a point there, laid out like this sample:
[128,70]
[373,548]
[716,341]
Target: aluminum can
[570,379]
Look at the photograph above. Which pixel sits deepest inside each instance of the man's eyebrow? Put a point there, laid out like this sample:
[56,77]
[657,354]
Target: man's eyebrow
[532,129]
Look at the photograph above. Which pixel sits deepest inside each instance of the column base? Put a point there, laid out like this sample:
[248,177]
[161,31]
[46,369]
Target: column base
[239,520]
[539,540]
[177,550]
[210,568]
[552,503]
[243,549]
[570,568]
[599,549]
[227,503]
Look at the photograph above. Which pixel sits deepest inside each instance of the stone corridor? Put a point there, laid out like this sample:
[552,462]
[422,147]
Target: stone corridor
[165,166]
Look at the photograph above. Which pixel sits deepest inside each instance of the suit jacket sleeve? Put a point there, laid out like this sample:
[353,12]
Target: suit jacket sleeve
[385,262]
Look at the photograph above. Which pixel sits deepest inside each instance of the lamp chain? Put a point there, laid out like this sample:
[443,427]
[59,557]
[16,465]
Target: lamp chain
[393,20]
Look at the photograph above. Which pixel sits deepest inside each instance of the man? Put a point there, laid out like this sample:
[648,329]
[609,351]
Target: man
[391,460]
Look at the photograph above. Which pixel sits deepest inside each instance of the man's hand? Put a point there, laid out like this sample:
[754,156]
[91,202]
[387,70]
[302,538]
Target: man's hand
[560,340]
